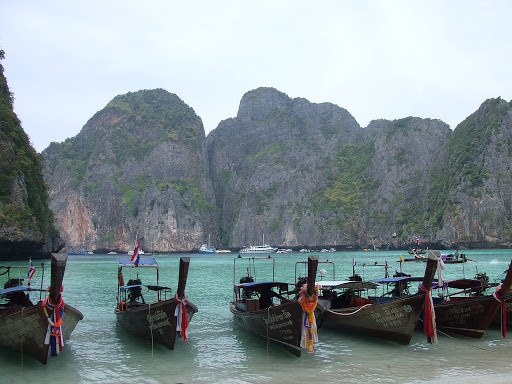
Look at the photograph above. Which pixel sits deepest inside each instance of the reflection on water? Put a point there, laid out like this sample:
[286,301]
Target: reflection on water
[218,352]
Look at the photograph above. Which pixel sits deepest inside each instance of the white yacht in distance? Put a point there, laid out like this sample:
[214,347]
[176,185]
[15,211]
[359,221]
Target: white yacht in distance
[258,248]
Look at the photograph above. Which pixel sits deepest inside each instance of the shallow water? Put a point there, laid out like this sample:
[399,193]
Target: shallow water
[218,352]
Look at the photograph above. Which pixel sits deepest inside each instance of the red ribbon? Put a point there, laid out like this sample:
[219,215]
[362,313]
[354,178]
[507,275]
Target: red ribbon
[429,321]
[181,316]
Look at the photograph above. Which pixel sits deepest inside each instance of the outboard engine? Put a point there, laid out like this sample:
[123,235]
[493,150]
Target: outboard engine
[246,279]
[484,280]
[355,277]
[135,292]
[401,287]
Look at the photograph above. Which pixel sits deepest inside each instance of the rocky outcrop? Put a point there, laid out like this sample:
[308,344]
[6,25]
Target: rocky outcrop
[470,199]
[138,170]
[296,172]
[308,174]
[27,227]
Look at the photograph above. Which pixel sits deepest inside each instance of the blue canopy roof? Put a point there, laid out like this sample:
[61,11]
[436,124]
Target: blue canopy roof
[262,283]
[19,288]
[151,287]
[148,261]
[259,286]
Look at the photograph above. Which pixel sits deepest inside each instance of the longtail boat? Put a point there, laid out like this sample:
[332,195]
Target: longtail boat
[162,319]
[36,329]
[341,306]
[254,309]
[471,315]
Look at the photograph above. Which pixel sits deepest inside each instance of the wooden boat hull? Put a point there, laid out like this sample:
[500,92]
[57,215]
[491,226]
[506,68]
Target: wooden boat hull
[469,316]
[154,321]
[392,320]
[26,330]
[281,324]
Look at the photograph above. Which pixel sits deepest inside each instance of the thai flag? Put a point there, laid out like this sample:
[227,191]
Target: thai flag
[136,252]
[354,262]
[137,260]
[31,269]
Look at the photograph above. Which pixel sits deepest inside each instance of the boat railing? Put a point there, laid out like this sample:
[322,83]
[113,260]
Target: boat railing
[322,271]
[19,272]
[251,267]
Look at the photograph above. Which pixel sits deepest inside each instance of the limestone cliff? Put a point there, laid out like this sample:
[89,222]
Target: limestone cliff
[137,170]
[296,172]
[470,202]
[308,174]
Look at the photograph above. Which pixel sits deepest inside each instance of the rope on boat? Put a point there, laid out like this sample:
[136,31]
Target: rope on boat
[21,347]
[268,338]
[151,330]
[351,313]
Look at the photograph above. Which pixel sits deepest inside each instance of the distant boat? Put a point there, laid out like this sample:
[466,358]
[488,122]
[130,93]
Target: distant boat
[416,251]
[81,252]
[222,251]
[258,248]
[205,248]
[287,250]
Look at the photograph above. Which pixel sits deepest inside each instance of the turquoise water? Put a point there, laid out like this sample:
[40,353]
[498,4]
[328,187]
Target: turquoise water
[217,352]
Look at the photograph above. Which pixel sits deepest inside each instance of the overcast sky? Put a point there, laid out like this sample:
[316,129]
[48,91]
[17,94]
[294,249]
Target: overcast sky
[65,60]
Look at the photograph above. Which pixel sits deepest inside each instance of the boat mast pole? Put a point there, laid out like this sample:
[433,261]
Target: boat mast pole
[42,280]
[59,261]
[182,279]
[312,267]
[431,268]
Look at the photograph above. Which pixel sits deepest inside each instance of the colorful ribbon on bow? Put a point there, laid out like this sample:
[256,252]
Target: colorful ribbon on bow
[309,331]
[54,313]
[503,315]
[429,321]
[181,316]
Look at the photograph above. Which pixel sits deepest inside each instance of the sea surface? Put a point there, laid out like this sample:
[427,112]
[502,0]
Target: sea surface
[216,351]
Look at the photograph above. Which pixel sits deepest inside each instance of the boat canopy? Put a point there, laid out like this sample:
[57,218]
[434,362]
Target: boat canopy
[150,287]
[261,286]
[148,261]
[386,280]
[458,284]
[348,284]
[20,288]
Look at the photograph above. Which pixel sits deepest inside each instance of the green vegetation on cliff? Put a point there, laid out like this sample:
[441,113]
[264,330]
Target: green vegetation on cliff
[347,186]
[133,124]
[463,162]
[23,194]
